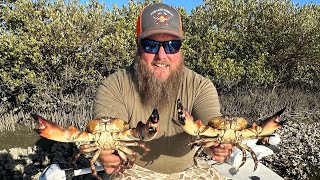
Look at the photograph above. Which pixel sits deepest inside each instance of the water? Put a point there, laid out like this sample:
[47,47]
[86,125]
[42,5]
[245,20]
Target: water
[22,137]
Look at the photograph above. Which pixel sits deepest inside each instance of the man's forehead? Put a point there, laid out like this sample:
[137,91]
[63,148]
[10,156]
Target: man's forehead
[163,36]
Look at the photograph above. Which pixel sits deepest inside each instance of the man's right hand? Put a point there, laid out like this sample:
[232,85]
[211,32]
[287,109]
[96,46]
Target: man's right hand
[109,161]
[221,152]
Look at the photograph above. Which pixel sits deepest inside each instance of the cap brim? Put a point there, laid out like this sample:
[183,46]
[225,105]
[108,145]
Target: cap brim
[159,31]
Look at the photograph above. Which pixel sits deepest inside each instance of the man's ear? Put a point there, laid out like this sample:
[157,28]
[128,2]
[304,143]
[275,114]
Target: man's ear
[139,51]
[139,48]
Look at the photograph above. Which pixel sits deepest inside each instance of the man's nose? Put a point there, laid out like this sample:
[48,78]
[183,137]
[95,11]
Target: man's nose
[161,53]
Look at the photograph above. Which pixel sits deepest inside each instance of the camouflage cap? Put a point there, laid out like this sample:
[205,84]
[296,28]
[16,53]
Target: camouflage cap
[159,18]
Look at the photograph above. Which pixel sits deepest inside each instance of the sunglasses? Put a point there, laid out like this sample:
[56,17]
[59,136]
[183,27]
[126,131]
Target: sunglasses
[152,46]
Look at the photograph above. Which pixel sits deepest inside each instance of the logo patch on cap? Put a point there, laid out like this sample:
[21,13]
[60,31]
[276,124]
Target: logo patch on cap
[162,16]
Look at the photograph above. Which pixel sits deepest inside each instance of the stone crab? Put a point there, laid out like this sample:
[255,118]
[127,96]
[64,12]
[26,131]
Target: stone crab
[105,133]
[227,129]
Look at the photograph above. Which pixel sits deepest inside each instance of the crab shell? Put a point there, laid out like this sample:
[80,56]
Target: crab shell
[104,133]
[227,129]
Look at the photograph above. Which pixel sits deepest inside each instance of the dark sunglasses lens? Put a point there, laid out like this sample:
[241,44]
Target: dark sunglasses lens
[150,46]
[171,47]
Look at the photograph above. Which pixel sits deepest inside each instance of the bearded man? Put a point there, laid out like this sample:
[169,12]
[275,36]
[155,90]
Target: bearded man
[157,79]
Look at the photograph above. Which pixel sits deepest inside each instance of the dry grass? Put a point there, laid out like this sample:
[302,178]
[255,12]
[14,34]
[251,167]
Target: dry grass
[74,110]
[258,104]
[254,104]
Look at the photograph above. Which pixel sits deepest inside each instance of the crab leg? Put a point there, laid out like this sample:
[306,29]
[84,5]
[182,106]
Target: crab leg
[254,157]
[245,148]
[56,132]
[92,166]
[197,154]
[130,152]
[124,158]
[84,148]
[203,141]
[194,128]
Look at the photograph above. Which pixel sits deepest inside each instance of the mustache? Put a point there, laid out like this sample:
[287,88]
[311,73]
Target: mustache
[160,63]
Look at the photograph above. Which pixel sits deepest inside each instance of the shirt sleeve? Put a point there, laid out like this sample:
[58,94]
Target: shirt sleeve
[206,104]
[109,100]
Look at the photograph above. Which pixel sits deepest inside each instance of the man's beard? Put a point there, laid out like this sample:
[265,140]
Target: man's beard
[157,93]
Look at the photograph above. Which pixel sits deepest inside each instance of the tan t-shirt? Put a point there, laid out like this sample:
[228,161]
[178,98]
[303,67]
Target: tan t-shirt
[117,97]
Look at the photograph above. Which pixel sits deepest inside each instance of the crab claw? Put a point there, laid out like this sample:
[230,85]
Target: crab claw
[144,132]
[53,131]
[272,123]
[181,115]
[152,123]
[149,130]
[187,123]
[194,128]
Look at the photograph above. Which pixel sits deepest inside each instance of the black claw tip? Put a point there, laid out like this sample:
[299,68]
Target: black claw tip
[278,116]
[34,116]
[179,105]
[154,116]
[181,117]
[281,111]
[182,121]
[282,122]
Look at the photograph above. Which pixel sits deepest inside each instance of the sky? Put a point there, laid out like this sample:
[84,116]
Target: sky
[187,4]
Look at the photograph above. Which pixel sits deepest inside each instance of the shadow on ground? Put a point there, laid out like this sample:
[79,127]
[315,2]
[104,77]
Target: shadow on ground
[28,163]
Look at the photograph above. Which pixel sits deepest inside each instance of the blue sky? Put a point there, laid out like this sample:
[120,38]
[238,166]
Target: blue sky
[187,4]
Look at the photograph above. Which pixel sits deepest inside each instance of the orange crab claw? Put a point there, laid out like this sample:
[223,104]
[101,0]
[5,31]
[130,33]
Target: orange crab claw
[272,123]
[192,127]
[53,131]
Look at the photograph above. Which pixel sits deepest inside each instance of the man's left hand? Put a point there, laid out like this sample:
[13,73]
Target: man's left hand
[221,152]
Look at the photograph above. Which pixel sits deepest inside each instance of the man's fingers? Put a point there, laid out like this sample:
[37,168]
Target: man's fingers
[222,146]
[228,146]
[106,152]
[110,162]
[221,152]
[108,159]
[108,170]
[219,158]
[112,170]
[215,144]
